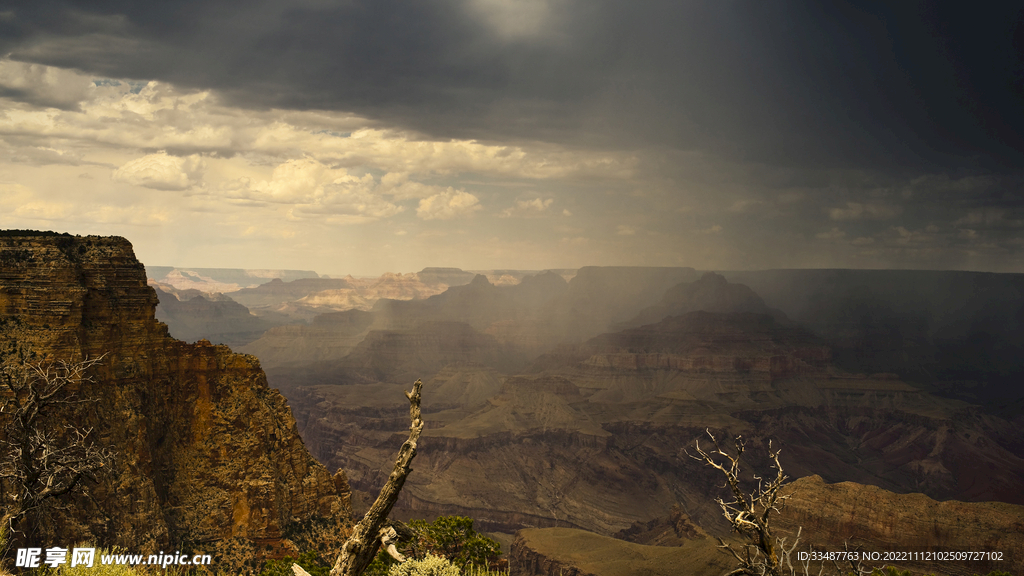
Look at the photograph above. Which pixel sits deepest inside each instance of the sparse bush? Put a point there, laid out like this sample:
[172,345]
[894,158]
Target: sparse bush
[449,537]
[430,565]
[454,538]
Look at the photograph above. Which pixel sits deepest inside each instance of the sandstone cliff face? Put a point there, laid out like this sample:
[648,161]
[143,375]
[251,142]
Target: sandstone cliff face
[675,530]
[871,519]
[879,520]
[205,449]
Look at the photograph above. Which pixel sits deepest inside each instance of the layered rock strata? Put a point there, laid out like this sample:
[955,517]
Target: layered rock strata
[582,441]
[205,449]
[912,525]
[906,531]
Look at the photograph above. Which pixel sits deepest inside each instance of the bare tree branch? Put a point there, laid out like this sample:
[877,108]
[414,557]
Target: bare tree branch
[41,459]
[750,515]
[366,539]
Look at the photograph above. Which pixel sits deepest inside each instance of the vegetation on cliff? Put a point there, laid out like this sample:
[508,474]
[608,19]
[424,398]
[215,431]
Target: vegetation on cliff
[450,537]
[44,454]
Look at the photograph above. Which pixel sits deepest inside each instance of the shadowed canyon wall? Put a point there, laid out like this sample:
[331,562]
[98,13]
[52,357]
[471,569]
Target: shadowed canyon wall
[205,450]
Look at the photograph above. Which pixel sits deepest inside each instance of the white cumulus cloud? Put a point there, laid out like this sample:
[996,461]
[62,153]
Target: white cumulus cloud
[162,172]
[447,205]
[532,207]
[317,189]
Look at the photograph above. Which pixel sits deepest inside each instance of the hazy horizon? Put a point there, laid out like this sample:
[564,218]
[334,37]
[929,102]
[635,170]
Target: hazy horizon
[342,274]
[367,137]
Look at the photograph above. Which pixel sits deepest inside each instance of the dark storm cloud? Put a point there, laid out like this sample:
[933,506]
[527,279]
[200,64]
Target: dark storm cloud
[895,86]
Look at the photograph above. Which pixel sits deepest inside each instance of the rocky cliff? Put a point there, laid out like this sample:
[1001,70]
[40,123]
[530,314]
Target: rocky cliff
[206,451]
[882,521]
[830,517]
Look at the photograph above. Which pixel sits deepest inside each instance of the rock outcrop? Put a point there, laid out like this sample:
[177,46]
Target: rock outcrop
[878,520]
[402,356]
[847,515]
[709,342]
[331,336]
[206,451]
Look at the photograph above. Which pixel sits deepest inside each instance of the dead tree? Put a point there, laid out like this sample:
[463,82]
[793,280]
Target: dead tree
[42,459]
[750,514]
[374,529]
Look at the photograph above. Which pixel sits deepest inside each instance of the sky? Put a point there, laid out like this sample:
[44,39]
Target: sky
[369,136]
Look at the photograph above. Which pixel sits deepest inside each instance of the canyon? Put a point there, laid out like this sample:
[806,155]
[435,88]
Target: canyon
[589,428]
[562,407]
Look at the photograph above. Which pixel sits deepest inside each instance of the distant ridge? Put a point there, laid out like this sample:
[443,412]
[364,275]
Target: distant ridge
[221,279]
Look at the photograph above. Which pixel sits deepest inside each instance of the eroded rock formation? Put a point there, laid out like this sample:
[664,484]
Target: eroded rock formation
[205,449]
[878,520]
[850,516]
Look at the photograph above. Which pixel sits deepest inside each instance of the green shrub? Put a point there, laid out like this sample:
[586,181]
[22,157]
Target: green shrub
[453,537]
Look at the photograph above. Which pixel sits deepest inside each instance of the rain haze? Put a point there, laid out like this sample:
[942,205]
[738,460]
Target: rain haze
[365,137]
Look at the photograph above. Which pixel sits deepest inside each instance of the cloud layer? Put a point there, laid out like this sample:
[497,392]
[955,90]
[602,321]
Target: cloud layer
[537,133]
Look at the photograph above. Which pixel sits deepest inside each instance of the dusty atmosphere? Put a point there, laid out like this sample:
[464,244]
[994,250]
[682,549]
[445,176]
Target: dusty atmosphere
[598,232]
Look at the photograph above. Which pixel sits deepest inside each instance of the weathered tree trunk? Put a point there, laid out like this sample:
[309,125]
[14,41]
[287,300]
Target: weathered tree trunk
[362,546]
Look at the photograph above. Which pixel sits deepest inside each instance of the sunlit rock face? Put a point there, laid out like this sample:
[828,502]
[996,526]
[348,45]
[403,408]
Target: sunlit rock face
[831,516]
[205,449]
[877,519]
